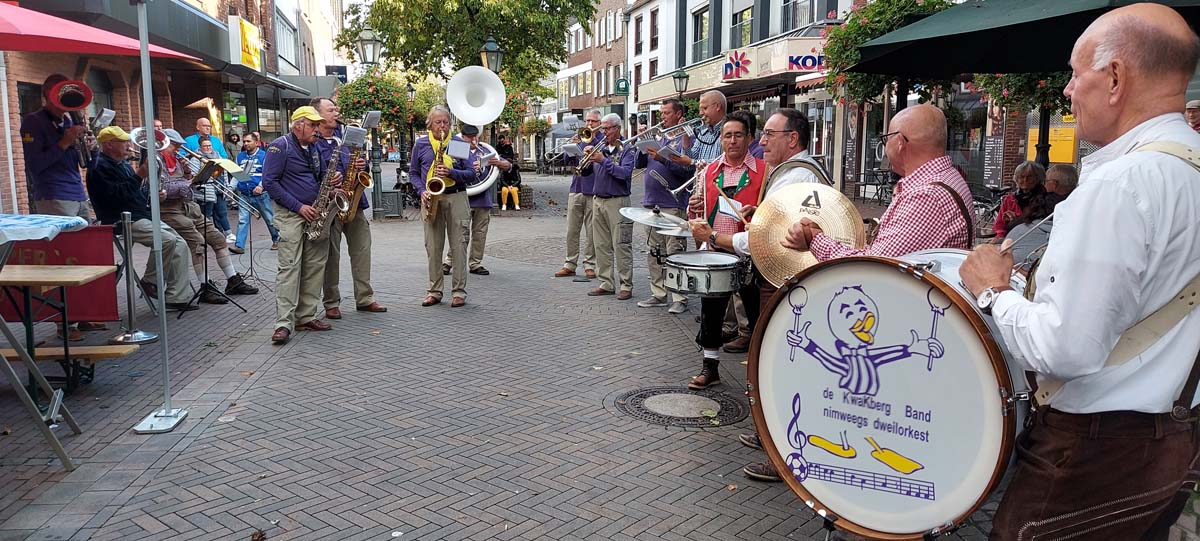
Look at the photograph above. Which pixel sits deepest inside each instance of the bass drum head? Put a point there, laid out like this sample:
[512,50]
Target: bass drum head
[867,418]
[703,259]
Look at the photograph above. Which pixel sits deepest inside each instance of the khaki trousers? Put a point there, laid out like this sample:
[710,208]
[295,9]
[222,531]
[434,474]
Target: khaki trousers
[666,245]
[176,260]
[452,223]
[613,235]
[579,218]
[476,239]
[301,271]
[62,207]
[358,245]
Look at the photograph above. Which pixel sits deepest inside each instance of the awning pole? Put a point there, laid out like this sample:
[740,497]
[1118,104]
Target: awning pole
[166,419]
[12,175]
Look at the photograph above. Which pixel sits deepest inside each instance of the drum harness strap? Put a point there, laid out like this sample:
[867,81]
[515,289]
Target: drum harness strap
[962,207]
[1150,330]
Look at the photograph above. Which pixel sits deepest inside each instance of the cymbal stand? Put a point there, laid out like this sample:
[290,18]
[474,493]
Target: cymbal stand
[206,284]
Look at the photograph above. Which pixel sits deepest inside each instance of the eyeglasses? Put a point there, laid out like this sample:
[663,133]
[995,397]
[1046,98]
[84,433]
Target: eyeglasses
[734,135]
[592,120]
[767,134]
[883,139]
[609,127]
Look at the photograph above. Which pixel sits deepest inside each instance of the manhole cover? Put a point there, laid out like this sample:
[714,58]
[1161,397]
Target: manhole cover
[682,407]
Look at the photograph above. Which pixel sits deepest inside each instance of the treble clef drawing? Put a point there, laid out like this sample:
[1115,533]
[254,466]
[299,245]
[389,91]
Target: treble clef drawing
[797,439]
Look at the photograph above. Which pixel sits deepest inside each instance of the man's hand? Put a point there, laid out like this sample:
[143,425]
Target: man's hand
[701,230]
[653,152]
[597,157]
[360,163]
[425,197]
[801,234]
[747,211]
[162,195]
[501,163]
[681,159]
[696,202]
[258,190]
[575,139]
[70,135]
[336,178]
[441,171]
[986,267]
[309,213]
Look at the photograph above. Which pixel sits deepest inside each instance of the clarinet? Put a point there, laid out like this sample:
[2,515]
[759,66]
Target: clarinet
[326,205]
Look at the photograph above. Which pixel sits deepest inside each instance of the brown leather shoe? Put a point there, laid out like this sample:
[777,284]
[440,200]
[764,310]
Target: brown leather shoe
[430,301]
[373,307]
[624,295]
[762,471]
[740,344]
[458,301]
[751,441]
[315,325]
[333,313]
[564,272]
[591,274]
[599,291]
[707,377]
[88,326]
[281,336]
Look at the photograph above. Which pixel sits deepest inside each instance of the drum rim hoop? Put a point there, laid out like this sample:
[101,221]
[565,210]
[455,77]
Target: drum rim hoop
[995,357]
[735,263]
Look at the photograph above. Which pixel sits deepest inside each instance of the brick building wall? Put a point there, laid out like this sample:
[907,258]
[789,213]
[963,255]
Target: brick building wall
[609,54]
[1014,135]
[33,68]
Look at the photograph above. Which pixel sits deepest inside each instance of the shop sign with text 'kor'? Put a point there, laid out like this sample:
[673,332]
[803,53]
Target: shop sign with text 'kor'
[814,61]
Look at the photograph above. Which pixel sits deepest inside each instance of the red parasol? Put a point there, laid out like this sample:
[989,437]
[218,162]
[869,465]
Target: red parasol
[27,30]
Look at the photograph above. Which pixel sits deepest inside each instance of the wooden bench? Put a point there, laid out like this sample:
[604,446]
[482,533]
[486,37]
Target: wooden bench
[76,372]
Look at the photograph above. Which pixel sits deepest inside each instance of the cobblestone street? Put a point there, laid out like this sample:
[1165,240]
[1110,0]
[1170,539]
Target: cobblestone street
[495,421]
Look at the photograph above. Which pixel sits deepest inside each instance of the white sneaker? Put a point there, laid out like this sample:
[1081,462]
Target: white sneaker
[503,207]
[231,238]
[677,307]
[516,207]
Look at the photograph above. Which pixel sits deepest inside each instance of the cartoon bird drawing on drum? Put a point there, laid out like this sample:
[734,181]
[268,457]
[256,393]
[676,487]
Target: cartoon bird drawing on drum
[854,319]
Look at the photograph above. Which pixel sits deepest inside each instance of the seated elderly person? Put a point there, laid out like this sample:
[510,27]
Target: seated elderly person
[180,211]
[1030,221]
[1029,178]
[114,187]
[1061,179]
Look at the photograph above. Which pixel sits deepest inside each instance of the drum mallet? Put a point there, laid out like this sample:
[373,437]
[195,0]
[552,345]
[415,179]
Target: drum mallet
[798,298]
[1031,230]
[131,335]
[938,311]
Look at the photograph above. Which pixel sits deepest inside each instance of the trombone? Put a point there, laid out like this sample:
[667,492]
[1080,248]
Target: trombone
[195,160]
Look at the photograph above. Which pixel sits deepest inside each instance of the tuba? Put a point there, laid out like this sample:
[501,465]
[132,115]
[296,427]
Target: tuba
[74,97]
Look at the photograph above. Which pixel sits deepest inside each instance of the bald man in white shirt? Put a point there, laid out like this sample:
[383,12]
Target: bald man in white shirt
[1112,454]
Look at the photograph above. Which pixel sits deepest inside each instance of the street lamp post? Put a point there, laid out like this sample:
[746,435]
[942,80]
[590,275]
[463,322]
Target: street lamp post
[492,55]
[537,137]
[680,78]
[369,49]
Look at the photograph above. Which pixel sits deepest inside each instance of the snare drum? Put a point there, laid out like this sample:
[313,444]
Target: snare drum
[706,273]
[885,398]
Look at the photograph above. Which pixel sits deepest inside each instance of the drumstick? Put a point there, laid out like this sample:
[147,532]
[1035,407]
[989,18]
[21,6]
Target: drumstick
[730,203]
[1031,230]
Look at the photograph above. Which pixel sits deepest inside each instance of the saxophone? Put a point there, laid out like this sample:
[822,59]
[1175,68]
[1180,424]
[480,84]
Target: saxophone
[328,203]
[356,182]
[436,185]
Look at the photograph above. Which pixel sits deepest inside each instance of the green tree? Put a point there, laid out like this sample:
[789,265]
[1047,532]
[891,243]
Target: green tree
[864,24]
[386,91]
[1026,91]
[438,37]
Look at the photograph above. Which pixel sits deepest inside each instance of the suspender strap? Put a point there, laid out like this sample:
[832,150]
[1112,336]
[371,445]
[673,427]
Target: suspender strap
[962,207]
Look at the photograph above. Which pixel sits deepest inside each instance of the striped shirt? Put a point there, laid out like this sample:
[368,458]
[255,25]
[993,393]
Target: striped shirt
[922,216]
[706,146]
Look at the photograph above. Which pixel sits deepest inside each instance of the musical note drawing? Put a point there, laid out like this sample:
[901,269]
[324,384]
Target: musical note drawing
[853,318]
[866,480]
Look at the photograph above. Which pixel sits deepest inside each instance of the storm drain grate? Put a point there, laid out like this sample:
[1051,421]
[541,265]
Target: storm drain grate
[681,407]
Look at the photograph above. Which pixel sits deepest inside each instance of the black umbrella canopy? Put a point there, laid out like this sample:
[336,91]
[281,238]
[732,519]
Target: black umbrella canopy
[993,36]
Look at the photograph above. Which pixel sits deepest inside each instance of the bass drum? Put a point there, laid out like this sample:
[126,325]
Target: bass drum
[882,397]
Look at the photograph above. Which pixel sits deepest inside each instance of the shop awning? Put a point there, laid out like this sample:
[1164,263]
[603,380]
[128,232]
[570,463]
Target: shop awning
[992,36]
[27,30]
[810,80]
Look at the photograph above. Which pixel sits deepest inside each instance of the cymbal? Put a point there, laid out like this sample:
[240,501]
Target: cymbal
[653,218]
[681,231]
[769,226]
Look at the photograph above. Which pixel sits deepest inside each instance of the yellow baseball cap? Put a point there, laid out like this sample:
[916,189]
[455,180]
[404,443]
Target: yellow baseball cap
[307,113]
[110,133]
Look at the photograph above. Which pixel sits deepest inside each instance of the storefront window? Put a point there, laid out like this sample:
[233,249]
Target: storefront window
[872,149]
[820,119]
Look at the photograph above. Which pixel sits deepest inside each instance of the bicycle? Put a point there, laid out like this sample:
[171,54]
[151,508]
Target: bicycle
[986,211]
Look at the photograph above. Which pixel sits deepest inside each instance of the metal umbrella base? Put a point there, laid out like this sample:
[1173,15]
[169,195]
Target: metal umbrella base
[161,421]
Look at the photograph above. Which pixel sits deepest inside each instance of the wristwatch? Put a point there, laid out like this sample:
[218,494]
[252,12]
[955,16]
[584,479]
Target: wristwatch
[712,239]
[988,297]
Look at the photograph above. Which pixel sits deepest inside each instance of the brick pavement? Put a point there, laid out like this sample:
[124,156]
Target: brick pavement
[488,422]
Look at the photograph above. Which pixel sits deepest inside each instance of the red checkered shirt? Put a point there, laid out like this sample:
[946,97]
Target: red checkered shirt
[733,174]
[922,216]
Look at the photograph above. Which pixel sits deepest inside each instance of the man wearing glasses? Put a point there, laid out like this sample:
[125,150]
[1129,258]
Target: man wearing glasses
[740,177]
[929,209]
[579,210]
[612,167]
[660,177]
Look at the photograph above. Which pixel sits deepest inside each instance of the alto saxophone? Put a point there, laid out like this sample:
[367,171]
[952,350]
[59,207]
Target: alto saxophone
[328,203]
[437,185]
[356,182]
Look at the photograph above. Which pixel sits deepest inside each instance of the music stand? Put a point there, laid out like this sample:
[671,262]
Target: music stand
[205,176]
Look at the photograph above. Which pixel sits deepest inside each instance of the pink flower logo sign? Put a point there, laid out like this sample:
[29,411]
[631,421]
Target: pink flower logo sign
[737,66]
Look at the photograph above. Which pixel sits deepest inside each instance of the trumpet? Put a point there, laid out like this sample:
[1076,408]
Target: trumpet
[195,162]
[585,133]
[674,136]
[686,186]
[586,160]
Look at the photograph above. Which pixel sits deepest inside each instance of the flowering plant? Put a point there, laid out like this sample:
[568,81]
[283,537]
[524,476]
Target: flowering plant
[1025,91]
